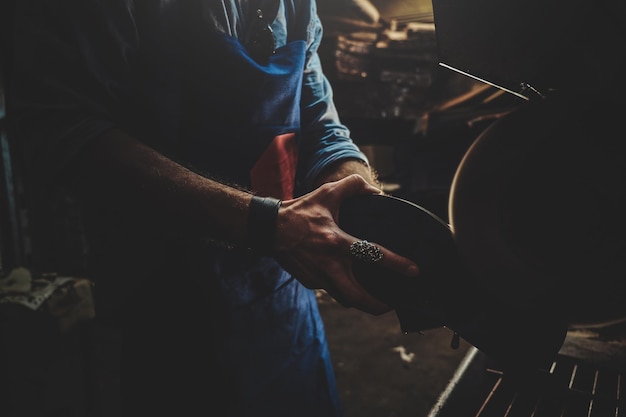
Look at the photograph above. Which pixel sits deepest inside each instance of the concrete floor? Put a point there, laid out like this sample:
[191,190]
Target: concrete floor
[382,372]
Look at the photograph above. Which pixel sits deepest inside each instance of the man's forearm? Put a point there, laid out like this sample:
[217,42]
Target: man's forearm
[342,169]
[132,178]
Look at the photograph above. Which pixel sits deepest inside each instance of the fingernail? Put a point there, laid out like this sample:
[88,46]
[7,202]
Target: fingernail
[412,270]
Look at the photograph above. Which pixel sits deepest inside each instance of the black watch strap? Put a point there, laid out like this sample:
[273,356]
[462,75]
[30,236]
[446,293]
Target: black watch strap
[261,227]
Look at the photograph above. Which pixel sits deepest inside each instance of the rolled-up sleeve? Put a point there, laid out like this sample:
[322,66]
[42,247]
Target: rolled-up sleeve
[324,138]
[70,78]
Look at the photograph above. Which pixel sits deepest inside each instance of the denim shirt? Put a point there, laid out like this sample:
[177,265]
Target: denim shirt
[76,77]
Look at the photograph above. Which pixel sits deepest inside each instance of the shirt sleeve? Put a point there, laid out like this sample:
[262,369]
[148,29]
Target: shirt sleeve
[325,139]
[70,77]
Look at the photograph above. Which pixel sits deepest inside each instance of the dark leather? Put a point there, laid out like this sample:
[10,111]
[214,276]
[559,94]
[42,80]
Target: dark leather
[445,294]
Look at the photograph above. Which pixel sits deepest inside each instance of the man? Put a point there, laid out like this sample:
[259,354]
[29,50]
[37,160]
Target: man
[204,146]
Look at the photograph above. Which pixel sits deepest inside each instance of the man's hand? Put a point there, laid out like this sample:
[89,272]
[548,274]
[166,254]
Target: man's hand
[312,246]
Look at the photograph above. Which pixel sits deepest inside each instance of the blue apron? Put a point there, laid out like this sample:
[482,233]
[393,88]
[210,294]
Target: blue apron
[236,329]
[201,326]
[270,335]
